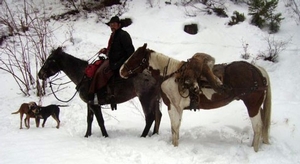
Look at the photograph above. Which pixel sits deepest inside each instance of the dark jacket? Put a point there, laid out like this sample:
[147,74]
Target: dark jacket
[120,50]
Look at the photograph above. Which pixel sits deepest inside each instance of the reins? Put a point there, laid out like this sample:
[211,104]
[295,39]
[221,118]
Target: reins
[97,53]
[65,101]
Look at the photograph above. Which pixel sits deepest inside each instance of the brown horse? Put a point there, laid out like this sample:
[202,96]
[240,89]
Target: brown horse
[143,86]
[243,81]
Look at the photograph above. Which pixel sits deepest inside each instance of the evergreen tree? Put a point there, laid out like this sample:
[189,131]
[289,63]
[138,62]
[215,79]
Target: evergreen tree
[275,23]
[262,14]
[236,18]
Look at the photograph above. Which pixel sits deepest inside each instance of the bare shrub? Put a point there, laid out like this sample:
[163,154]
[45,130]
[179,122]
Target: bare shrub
[205,6]
[104,9]
[273,50]
[245,54]
[295,7]
[26,46]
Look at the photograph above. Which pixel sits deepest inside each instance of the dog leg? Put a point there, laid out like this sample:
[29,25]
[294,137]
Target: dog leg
[45,119]
[57,120]
[21,120]
[27,121]
[37,122]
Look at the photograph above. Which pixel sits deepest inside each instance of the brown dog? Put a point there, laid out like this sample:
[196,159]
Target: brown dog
[25,109]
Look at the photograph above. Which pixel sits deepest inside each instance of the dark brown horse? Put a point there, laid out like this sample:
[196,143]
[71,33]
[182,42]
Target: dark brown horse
[144,86]
[242,81]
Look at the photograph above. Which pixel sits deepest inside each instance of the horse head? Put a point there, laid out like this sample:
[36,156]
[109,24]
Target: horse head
[136,63]
[51,65]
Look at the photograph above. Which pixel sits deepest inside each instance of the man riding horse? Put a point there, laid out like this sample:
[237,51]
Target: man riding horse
[118,51]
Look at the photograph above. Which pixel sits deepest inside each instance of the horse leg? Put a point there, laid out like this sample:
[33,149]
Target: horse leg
[257,128]
[175,117]
[175,107]
[100,120]
[89,118]
[158,116]
[253,103]
[149,121]
[149,114]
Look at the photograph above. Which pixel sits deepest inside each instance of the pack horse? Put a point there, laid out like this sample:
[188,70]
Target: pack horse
[241,81]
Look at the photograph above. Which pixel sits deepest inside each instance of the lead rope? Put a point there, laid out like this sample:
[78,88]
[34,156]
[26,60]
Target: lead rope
[65,101]
[166,71]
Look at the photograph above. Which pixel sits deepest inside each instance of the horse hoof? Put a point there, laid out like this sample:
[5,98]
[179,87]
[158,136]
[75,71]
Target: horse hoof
[87,135]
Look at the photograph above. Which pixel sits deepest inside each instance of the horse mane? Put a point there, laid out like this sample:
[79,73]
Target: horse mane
[59,51]
[68,63]
[164,61]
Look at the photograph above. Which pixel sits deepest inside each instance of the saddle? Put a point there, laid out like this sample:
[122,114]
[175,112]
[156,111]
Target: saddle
[109,97]
[91,69]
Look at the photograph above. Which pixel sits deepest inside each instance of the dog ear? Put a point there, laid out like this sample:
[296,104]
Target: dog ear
[32,105]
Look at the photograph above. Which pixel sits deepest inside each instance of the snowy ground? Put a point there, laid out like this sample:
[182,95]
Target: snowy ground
[217,136]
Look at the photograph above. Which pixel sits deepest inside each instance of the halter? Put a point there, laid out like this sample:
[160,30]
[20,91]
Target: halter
[132,71]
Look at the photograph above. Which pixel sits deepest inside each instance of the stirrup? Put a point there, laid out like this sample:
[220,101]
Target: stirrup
[112,101]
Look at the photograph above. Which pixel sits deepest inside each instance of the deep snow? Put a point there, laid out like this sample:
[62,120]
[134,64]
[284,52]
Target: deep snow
[217,136]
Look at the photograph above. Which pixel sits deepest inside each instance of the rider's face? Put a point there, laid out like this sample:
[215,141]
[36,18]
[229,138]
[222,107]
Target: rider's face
[114,26]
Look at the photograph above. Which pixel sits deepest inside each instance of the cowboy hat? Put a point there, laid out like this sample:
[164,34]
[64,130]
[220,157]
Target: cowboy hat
[114,19]
[124,22]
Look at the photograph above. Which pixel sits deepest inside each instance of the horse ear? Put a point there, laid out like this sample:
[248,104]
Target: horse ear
[145,45]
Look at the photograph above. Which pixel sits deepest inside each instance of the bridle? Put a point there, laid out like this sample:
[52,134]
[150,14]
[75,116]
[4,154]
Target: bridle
[142,65]
[53,92]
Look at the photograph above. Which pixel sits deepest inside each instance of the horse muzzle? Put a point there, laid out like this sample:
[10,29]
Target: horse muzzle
[42,75]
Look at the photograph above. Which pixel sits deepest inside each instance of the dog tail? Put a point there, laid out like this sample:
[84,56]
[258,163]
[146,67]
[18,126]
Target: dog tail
[15,112]
[63,105]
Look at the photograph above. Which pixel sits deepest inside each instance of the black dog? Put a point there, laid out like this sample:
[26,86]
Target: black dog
[45,112]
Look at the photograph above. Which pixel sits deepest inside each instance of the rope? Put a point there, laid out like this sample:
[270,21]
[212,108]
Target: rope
[65,101]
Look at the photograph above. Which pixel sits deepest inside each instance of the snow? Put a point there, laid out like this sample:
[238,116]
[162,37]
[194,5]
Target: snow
[217,136]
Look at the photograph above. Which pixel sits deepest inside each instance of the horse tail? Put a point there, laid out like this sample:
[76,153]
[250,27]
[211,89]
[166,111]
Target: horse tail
[266,112]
